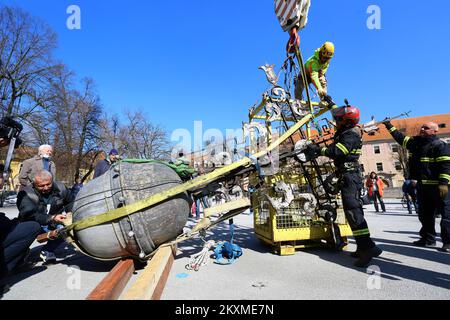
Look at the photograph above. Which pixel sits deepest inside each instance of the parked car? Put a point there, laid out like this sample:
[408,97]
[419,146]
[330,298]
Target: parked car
[8,197]
[12,199]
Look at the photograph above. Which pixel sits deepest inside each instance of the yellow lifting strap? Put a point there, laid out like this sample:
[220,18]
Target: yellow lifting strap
[199,181]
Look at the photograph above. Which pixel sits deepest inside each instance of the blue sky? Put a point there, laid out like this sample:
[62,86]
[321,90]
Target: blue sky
[188,60]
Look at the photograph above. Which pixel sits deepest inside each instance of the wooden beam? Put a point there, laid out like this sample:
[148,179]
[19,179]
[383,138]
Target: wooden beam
[229,206]
[111,287]
[151,282]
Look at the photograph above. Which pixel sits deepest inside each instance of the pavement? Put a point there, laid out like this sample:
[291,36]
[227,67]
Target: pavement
[402,272]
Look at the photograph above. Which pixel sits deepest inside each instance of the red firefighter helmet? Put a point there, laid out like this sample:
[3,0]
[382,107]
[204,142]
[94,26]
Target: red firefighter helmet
[348,116]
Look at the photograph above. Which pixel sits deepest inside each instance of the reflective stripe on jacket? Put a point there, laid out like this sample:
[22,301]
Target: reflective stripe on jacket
[430,159]
[315,69]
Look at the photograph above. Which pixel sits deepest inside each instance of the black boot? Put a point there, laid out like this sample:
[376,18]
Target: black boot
[424,243]
[366,256]
[376,207]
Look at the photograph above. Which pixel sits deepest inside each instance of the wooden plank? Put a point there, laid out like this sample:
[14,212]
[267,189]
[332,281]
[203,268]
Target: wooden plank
[111,287]
[151,282]
[229,206]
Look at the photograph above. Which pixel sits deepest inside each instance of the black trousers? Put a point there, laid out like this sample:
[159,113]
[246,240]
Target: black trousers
[429,204]
[15,240]
[377,197]
[351,186]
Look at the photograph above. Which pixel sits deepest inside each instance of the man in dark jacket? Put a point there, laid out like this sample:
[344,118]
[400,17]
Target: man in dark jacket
[430,166]
[15,237]
[409,189]
[103,165]
[45,202]
[345,151]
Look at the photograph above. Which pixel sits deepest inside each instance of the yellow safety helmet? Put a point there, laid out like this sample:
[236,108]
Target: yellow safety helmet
[327,50]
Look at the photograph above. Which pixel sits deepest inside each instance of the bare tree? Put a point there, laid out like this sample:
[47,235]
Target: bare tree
[107,137]
[141,139]
[71,123]
[26,63]
[77,123]
[57,110]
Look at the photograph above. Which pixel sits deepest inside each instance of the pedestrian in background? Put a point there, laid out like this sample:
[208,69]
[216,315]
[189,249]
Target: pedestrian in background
[43,161]
[103,165]
[201,200]
[409,189]
[77,187]
[375,186]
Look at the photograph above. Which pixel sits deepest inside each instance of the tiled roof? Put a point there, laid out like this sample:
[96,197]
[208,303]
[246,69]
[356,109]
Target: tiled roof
[412,126]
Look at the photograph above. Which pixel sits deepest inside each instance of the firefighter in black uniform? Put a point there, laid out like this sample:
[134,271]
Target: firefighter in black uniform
[430,165]
[346,151]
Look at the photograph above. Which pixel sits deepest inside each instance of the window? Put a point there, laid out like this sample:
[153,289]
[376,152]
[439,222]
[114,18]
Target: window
[376,149]
[398,166]
[442,125]
[379,167]
[394,147]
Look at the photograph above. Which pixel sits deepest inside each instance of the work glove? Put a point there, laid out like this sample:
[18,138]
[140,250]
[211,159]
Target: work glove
[387,123]
[310,153]
[329,100]
[322,92]
[443,191]
[313,149]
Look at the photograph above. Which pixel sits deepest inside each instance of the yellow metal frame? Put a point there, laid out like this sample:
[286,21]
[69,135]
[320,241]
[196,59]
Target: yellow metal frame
[286,240]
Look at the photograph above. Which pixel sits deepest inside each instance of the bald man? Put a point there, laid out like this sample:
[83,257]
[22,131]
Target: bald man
[430,165]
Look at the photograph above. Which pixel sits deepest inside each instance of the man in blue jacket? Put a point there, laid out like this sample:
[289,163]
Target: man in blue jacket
[103,166]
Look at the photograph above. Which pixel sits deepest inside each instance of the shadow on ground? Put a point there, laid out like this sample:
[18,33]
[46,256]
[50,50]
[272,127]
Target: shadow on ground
[243,236]
[397,214]
[9,281]
[66,255]
[392,269]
